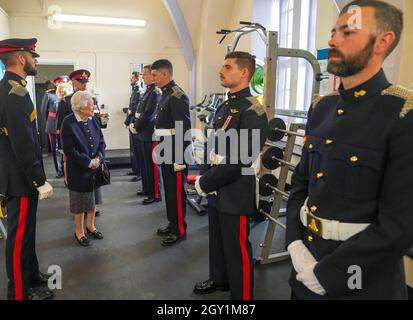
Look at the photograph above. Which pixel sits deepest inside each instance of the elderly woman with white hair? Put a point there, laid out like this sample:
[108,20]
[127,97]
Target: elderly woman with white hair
[84,148]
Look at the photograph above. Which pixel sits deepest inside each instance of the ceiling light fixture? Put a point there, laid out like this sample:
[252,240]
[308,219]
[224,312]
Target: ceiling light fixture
[99,20]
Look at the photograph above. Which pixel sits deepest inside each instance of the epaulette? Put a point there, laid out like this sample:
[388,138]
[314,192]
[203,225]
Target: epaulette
[403,93]
[318,99]
[17,89]
[177,92]
[256,106]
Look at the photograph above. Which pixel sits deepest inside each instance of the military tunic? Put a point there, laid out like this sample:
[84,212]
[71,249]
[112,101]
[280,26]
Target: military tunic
[21,171]
[356,167]
[49,108]
[230,250]
[143,122]
[173,108]
[133,103]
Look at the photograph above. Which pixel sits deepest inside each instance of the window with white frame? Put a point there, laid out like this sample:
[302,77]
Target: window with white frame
[294,20]
[295,76]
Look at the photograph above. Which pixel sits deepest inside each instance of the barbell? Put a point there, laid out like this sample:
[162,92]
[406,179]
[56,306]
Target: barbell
[265,209]
[267,185]
[278,130]
[273,157]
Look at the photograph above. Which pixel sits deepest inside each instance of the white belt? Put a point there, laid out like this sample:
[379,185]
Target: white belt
[164,132]
[329,229]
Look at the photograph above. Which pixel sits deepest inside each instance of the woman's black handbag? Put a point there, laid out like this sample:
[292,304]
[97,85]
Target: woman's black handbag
[102,175]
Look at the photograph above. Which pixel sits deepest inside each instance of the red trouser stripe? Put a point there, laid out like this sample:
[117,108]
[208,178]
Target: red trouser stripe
[155,171]
[245,258]
[50,141]
[179,202]
[18,242]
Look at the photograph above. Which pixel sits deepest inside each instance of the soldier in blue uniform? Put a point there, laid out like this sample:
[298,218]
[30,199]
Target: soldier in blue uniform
[172,112]
[142,126]
[22,179]
[230,183]
[49,108]
[349,216]
[133,140]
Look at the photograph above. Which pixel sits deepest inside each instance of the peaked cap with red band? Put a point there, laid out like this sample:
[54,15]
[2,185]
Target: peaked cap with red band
[81,75]
[14,45]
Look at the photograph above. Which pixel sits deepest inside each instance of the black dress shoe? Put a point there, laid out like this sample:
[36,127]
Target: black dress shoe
[97,213]
[130,173]
[141,193]
[136,179]
[164,231]
[209,286]
[150,200]
[95,234]
[172,239]
[41,280]
[60,175]
[84,242]
[39,293]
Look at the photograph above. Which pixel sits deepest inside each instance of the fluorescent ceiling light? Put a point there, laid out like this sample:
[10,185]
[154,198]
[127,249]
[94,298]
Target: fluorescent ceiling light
[99,20]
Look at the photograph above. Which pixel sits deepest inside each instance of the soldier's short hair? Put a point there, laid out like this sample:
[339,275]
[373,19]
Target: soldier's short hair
[80,100]
[243,60]
[136,74]
[148,67]
[387,16]
[163,64]
[9,59]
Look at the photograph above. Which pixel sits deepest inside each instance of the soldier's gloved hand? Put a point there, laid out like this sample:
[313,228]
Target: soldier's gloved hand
[215,158]
[198,187]
[45,191]
[132,129]
[300,256]
[179,167]
[199,190]
[308,278]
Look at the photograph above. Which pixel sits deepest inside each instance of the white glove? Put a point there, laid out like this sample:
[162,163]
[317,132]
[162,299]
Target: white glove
[45,191]
[179,167]
[216,159]
[132,129]
[300,256]
[198,187]
[308,278]
[200,191]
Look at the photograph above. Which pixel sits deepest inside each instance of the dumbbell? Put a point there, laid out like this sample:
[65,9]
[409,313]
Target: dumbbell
[278,130]
[265,209]
[267,185]
[273,157]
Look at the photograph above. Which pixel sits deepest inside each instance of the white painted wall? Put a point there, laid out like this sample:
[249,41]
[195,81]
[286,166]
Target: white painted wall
[406,69]
[106,51]
[4,25]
